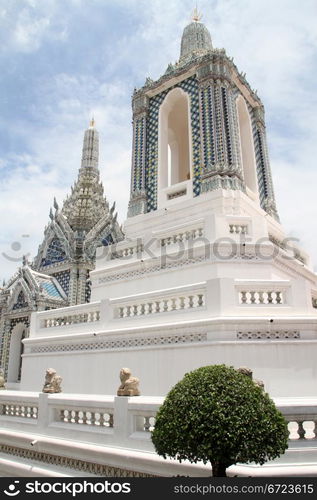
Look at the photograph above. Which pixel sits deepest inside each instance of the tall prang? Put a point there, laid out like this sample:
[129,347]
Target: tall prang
[84,222]
[59,274]
[198,128]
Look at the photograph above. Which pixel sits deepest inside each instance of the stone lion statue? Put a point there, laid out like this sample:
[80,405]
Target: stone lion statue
[129,385]
[249,373]
[52,382]
[2,381]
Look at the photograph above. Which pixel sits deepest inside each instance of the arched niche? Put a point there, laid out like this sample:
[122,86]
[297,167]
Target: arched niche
[15,352]
[174,158]
[247,146]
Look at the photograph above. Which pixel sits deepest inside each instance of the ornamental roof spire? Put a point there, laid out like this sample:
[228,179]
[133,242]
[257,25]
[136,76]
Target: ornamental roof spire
[90,155]
[196,39]
[196,16]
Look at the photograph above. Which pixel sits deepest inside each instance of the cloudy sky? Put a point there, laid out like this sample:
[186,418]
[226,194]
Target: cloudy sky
[63,60]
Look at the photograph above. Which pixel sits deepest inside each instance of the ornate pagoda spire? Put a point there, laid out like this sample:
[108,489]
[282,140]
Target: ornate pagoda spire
[90,154]
[86,204]
[196,39]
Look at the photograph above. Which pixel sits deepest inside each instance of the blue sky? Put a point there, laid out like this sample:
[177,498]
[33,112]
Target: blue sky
[63,60]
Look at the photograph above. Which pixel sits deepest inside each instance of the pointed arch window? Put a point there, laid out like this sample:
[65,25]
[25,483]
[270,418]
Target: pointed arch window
[174,139]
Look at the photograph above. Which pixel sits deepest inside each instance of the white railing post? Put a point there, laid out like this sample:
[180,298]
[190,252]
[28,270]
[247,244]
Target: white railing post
[105,311]
[43,417]
[34,324]
[123,422]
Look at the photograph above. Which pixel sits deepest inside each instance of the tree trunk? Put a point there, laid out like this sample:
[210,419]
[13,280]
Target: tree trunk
[218,469]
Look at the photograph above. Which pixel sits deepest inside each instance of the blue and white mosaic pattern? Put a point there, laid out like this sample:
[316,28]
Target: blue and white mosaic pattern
[63,278]
[55,253]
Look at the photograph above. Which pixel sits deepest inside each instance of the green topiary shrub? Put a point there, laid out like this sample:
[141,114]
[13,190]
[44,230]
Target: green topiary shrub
[216,414]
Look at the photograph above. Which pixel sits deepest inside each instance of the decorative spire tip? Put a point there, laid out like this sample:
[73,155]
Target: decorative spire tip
[196,16]
[92,123]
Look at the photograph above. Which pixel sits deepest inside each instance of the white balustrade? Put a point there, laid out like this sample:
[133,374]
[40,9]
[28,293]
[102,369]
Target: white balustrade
[261,297]
[302,428]
[238,228]
[72,319]
[123,422]
[95,418]
[161,305]
[182,236]
[23,410]
[127,252]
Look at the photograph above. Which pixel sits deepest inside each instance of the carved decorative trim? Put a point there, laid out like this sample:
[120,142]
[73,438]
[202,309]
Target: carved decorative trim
[158,268]
[72,463]
[124,342]
[262,335]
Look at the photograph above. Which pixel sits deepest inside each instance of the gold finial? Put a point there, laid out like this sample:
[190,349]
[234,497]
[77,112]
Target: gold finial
[92,122]
[196,16]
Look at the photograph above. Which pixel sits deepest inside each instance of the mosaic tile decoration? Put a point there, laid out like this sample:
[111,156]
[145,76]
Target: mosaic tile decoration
[55,253]
[63,279]
[139,156]
[21,302]
[87,288]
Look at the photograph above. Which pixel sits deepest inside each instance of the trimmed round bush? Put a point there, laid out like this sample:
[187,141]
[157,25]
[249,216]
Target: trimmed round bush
[216,414]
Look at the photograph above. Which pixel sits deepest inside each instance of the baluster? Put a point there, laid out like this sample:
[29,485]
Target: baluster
[165,306]
[147,424]
[157,306]
[61,416]
[102,421]
[135,310]
[182,302]
[150,308]
[243,297]
[142,309]
[269,297]
[34,412]
[120,312]
[200,300]
[191,301]
[252,297]
[248,297]
[173,306]
[93,418]
[231,228]
[279,298]
[301,431]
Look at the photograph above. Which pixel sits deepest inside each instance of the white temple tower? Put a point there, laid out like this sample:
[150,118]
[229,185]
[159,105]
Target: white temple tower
[205,273]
